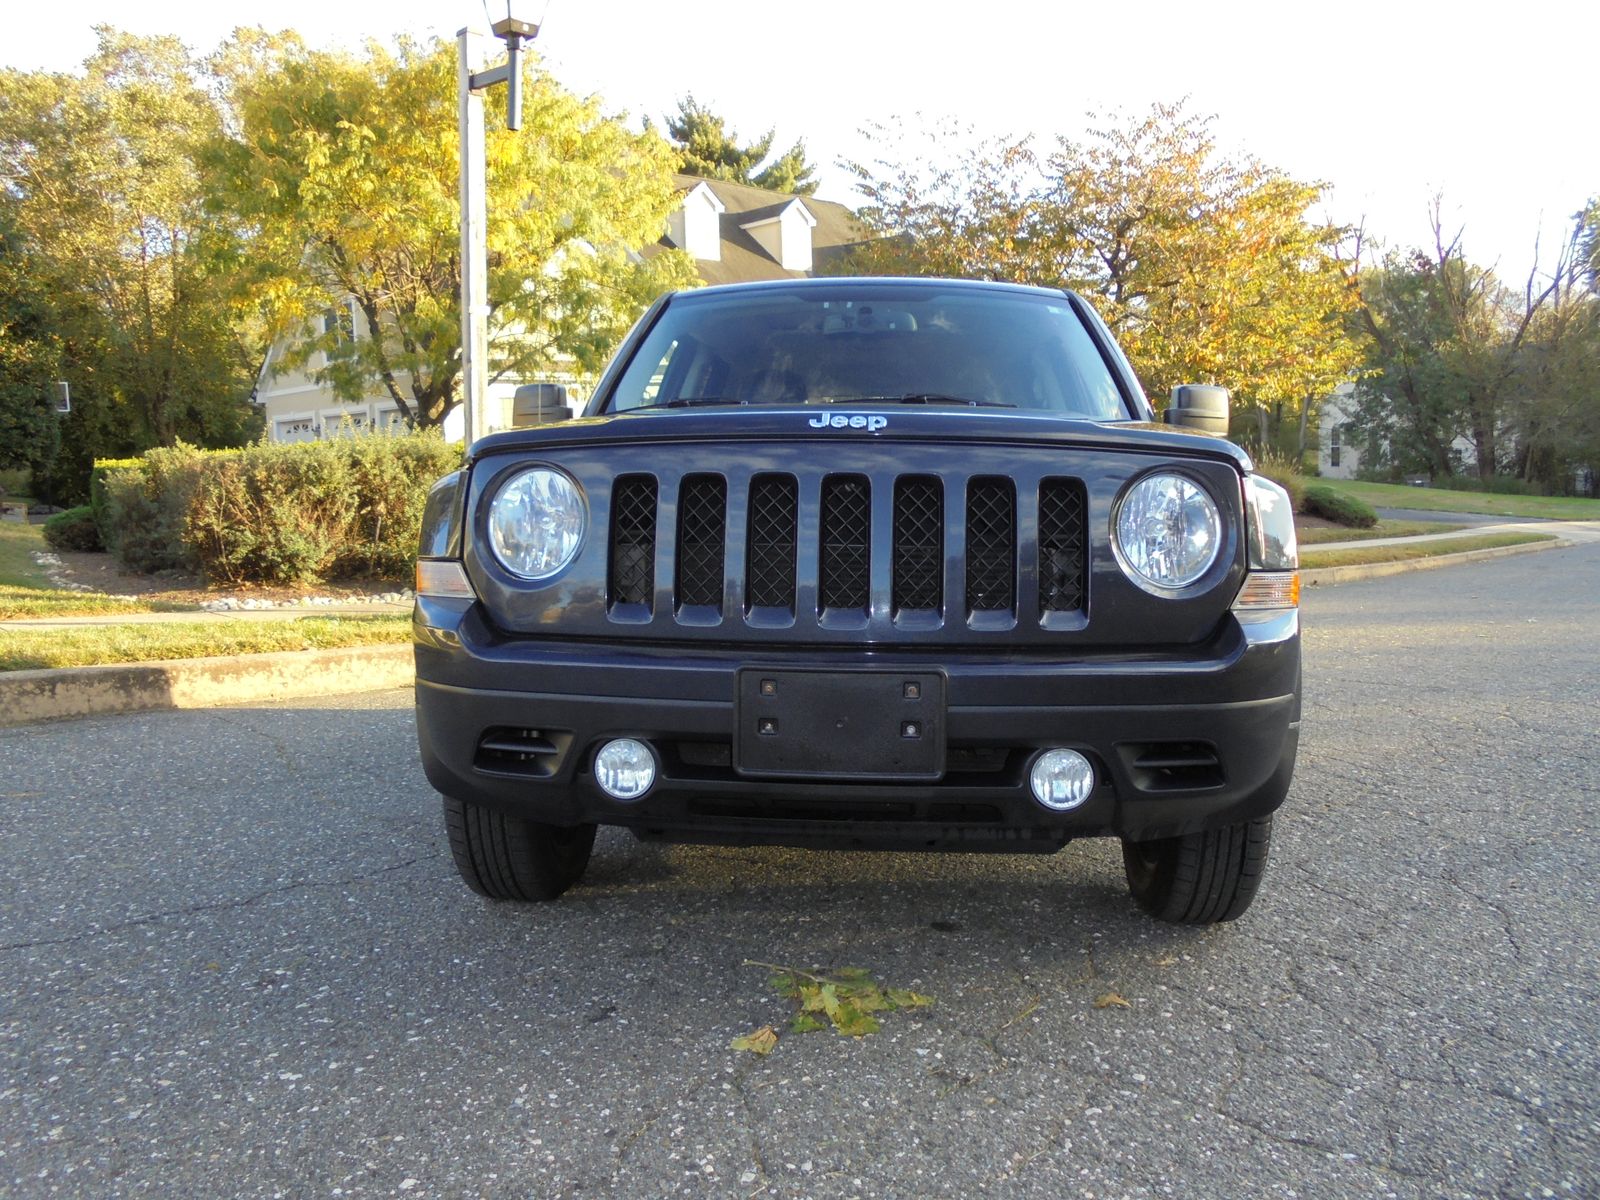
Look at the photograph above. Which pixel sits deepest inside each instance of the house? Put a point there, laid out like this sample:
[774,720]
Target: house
[735,233]
[1340,456]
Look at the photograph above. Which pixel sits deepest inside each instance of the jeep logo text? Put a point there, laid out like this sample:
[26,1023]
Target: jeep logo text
[870,424]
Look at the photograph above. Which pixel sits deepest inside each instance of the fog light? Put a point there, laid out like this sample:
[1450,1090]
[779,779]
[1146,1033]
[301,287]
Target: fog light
[625,768]
[1061,779]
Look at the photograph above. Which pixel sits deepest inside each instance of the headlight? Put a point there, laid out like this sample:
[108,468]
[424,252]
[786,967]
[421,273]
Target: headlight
[536,523]
[1167,532]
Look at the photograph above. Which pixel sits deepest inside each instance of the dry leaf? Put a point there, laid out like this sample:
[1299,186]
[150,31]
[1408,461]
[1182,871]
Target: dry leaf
[760,1042]
[1111,1000]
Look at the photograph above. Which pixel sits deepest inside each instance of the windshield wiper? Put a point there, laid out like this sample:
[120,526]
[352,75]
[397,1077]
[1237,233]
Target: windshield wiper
[918,398]
[688,402]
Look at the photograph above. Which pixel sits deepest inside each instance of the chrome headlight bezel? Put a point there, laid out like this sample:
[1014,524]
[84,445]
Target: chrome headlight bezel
[1190,490]
[554,509]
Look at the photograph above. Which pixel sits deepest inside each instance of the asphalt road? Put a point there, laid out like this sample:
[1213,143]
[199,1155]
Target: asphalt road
[236,961]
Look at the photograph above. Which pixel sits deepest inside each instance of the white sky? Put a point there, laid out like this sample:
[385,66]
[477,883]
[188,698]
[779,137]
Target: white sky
[1390,101]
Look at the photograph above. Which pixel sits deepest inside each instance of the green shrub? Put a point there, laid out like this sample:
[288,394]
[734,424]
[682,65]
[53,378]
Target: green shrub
[390,478]
[300,513]
[1323,501]
[1283,471]
[283,513]
[144,505]
[74,529]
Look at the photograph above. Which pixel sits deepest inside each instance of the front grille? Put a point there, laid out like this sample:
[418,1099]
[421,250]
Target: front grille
[918,543]
[845,575]
[1062,548]
[702,536]
[991,545]
[774,517]
[633,540]
[749,531]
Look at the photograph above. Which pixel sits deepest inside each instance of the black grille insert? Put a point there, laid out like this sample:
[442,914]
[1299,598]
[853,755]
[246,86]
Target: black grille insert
[1172,766]
[508,750]
[1062,548]
[918,543]
[845,579]
[774,514]
[702,537]
[991,545]
[633,540]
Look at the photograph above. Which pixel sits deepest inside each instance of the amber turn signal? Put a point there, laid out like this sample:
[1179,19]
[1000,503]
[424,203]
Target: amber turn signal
[442,577]
[1269,589]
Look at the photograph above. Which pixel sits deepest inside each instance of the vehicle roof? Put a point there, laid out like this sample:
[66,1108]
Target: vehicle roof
[867,282]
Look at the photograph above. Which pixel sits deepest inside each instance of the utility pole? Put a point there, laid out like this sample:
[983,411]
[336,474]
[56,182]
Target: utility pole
[474,247]
[514,30]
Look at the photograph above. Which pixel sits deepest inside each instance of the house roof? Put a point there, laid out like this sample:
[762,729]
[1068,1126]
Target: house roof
[835,230]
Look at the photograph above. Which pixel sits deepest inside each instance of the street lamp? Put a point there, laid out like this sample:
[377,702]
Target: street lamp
[521,23]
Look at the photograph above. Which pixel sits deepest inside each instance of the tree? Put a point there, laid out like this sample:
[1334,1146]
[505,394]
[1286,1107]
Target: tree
[1449,341]
[29,359]
[1208,268]
[710,149]
[344,169]
[99,171]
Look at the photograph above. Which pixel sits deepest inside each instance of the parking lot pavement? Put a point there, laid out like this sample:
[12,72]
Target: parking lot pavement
[236,961]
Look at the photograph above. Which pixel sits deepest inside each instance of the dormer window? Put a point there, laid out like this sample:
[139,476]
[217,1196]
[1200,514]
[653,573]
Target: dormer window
[696,227]
[786,236]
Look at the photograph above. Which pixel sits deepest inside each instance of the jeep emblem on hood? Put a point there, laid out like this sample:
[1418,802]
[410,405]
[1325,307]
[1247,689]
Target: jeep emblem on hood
[870,424]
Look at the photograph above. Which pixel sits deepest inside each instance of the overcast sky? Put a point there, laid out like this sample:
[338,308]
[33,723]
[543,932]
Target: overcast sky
[1388,101]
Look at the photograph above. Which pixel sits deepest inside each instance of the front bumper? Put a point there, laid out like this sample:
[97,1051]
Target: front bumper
[1181,742]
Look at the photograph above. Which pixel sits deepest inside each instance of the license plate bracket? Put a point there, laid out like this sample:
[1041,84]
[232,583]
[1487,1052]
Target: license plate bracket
[822,724]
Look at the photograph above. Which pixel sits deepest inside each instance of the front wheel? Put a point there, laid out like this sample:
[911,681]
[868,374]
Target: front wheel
[1199,878]
[507,858]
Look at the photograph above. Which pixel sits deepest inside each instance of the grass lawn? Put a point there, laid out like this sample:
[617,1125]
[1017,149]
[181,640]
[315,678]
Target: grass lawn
[1312,559]
[1396,495]
[25,590]
[1383,529]
[88,645]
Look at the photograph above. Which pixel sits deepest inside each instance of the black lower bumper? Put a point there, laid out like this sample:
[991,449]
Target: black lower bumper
[1204,738]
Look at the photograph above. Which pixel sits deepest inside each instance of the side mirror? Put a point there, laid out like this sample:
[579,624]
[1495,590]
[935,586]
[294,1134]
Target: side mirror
[539,404]
[1201,406]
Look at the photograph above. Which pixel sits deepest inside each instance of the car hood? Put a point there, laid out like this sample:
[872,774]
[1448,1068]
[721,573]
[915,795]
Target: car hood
[887,422]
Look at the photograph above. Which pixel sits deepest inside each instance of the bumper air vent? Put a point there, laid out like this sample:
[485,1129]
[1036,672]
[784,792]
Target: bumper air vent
[633,543]
[845,577]
[1063,549]
[991,546]
[534,753]
[702,538]
[774,514]
[918,543]
[1172,766]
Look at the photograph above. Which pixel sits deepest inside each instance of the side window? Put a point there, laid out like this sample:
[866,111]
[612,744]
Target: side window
[1333,445]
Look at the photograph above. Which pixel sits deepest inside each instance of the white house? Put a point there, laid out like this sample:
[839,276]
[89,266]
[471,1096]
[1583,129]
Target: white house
[1341,456]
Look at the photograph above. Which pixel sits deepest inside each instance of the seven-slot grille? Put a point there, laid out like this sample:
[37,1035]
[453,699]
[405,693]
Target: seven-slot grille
[918,529]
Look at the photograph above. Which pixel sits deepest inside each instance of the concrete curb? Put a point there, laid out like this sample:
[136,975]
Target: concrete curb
[51,695]
[1353,574]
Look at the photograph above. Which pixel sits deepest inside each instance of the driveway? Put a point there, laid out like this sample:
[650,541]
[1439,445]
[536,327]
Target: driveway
[236,961]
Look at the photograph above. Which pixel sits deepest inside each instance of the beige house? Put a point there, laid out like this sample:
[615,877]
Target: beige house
[734,233]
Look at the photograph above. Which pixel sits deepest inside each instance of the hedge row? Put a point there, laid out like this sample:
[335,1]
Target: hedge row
[283,513]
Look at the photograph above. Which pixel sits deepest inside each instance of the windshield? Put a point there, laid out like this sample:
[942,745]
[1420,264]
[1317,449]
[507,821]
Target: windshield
[852,344]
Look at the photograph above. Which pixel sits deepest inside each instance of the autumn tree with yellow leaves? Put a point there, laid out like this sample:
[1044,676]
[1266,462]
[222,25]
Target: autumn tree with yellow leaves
[344,168]
[1209,268]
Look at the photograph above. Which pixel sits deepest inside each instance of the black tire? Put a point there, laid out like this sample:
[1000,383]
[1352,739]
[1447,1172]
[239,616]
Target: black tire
[506,858]
[1200,878]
